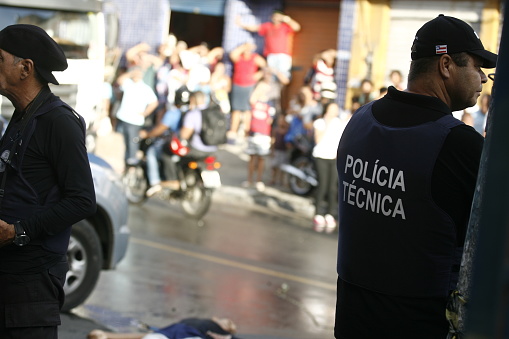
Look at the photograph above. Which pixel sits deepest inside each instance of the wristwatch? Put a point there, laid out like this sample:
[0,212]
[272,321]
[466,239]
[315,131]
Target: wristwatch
[21,238]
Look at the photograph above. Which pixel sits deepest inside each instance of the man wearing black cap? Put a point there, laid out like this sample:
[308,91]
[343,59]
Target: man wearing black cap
[45,184]
[407,171]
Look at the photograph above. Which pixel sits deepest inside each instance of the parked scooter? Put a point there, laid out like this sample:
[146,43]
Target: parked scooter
[198,178]
[301,170]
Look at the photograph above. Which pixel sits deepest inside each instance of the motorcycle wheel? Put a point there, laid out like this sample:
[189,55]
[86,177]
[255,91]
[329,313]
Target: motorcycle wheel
[297,185]
[135,184]
[196,199]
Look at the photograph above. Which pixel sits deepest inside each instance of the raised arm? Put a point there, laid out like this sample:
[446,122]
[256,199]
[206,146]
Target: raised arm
[250,28]
[237,51]
[261,63]
[292,23]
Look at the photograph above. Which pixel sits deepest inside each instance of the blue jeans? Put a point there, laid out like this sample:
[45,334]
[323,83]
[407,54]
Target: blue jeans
[153,157]
[131,136]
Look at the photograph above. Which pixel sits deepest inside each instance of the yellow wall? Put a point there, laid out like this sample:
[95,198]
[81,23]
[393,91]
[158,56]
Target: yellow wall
[371,34]
[489,34]
[369,40]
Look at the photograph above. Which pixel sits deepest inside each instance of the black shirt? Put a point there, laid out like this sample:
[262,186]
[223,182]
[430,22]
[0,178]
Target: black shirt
[56,156]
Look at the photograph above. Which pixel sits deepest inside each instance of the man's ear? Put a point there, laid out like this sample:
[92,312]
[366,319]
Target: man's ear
[27,68]
[444,66]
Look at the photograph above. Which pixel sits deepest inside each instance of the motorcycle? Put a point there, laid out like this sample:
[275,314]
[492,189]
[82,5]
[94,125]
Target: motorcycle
[301,170]
[198,179]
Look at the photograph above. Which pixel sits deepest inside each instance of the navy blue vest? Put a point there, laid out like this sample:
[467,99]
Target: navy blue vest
[393,238]
[20,199]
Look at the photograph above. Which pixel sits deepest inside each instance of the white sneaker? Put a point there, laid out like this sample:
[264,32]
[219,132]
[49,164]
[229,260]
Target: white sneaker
[330,223]
[260,186]
[154,189]
[319,223]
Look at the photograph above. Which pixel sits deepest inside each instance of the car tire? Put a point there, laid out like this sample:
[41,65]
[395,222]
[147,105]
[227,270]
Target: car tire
[84,256]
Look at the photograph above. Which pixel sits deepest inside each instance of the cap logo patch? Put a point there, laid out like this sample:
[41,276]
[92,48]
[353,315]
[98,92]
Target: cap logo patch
[440,49]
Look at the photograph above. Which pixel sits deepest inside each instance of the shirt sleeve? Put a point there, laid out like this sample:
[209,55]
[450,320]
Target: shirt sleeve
[455,175]
[192,120]
[288,28]
[126,84]
[319,124]
[60,161]
[264,28]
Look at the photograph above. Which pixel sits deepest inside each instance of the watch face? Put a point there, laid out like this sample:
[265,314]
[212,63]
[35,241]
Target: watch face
[21,240]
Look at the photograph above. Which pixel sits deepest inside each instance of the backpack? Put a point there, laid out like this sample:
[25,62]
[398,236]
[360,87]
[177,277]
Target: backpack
[214,126]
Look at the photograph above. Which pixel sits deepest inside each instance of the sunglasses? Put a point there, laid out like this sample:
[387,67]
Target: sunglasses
[491,76]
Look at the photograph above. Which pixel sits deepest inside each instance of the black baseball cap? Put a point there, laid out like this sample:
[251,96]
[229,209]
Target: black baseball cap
[32,42]
[448,35]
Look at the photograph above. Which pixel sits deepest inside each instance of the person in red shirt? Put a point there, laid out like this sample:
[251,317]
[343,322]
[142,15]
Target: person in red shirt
[247,67]
[278,34]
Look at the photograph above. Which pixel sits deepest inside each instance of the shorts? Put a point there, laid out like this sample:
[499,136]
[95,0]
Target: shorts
[240,98]
[281,62]
[258,144]
[280,157]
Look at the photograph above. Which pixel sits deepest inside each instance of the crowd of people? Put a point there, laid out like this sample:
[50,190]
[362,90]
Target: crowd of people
[159,94]
[153,93]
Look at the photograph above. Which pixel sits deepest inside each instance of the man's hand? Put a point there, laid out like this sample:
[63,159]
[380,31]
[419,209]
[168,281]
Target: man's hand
[7,233]
[143,134]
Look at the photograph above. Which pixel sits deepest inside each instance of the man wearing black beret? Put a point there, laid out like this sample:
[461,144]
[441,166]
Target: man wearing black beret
[45,184]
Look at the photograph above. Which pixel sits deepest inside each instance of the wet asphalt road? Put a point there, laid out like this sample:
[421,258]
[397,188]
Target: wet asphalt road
[255,260]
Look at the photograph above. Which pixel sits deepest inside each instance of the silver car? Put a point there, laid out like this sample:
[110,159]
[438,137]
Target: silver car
[100,241]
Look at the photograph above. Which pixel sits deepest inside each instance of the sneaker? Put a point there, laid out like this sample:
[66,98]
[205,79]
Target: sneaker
[153,190]
[173,185]
[319,223]
[330,223]
[260,186]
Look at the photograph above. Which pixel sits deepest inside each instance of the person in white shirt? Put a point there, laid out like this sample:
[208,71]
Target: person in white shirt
[138,102]
[327,132]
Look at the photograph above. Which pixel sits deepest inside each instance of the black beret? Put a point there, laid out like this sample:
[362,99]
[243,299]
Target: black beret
[32,42]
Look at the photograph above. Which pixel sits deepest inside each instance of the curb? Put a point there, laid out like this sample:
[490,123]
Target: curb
[285,204]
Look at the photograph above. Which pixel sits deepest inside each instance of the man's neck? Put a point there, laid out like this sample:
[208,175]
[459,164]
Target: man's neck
[25,97]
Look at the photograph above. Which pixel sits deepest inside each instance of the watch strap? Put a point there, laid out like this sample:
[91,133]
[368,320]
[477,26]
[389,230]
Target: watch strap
[18,228]
[21,238]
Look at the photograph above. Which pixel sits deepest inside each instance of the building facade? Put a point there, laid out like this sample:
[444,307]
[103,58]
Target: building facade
[373,37]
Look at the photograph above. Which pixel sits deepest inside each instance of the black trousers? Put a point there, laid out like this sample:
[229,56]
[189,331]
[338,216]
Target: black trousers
[30,303]
[326,194]
[364,314]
